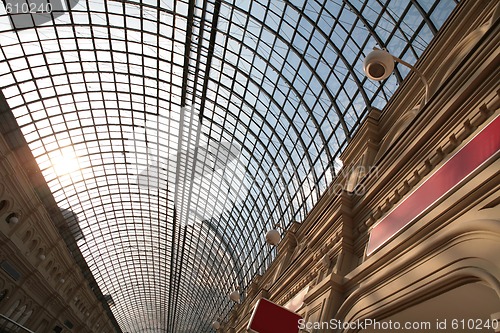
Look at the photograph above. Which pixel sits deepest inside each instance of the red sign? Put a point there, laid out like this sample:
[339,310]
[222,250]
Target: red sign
[268,317]
[470,157]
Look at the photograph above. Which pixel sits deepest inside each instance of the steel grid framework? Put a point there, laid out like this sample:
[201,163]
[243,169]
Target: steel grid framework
[178,132]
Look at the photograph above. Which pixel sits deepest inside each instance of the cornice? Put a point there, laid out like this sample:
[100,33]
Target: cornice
[331,282]
[339,224]
[441,127]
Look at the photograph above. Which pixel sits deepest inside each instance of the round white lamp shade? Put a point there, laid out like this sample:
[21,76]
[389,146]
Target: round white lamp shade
[234,296]
[273,237]
[13,219]
[378,65]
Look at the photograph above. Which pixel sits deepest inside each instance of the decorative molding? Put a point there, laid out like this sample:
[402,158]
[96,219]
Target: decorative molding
[433,160]
[457,271]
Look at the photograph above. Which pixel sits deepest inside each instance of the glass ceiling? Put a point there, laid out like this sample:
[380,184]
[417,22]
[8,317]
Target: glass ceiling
[178,132]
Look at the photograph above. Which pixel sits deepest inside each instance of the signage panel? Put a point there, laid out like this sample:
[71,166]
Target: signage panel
[469,158]
[268,317]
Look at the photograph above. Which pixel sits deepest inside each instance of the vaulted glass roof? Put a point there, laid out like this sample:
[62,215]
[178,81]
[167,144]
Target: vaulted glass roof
[178,132]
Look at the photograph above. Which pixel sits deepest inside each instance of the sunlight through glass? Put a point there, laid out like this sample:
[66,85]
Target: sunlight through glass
[64,161]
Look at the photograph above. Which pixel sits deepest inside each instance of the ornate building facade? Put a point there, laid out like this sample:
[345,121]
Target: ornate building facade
[399,236]
[347,267]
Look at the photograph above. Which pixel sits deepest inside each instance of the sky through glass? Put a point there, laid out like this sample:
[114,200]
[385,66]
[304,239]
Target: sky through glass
[178,132]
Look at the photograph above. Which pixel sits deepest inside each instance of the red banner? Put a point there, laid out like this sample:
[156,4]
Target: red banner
[468,159]
[268,317]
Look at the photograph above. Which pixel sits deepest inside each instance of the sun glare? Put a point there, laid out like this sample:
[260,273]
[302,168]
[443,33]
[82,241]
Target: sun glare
[64,161]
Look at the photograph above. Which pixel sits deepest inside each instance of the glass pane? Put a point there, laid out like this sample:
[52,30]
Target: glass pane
[174,134]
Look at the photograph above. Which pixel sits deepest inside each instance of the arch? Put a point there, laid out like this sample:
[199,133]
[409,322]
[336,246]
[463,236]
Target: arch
[27,236]
[12,215]
[396,130]
[462,253]
[3,294]
[6,302]
[53,272]
[4,206]
[460,51]
[457,54]
[18,312]
[12,308]
[25,316]
[33,245]
[461,276]
[41,251]
[42,327]
[49,265]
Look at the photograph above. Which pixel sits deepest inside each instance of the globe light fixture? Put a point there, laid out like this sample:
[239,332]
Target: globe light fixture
[379,65]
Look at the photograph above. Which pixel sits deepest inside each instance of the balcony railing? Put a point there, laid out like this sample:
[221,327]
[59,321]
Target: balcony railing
[8,325]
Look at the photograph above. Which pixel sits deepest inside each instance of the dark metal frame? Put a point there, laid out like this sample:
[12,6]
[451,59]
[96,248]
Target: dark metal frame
[292,112]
